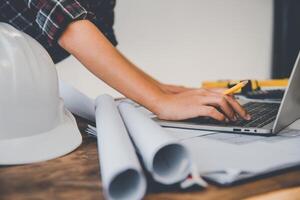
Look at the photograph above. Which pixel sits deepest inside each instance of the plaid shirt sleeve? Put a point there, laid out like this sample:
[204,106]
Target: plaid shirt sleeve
[53,16]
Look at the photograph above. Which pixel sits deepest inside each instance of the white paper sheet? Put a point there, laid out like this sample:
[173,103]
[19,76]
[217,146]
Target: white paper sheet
[259,155]
[76,102]
[164,157]
[183,134]
[122,176]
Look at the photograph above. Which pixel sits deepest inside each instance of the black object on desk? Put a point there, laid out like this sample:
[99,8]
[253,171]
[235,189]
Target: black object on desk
[265,94]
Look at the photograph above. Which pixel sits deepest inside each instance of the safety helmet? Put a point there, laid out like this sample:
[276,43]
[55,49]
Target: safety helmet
[34,125]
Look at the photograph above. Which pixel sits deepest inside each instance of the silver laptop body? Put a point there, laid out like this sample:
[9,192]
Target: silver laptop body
[286,113]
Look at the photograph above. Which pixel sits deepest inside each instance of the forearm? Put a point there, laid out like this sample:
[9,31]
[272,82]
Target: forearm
[83,40]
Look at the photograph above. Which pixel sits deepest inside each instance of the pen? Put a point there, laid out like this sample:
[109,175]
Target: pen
[235,88]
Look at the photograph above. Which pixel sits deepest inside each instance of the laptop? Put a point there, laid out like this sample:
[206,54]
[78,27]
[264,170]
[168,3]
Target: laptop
[267,118]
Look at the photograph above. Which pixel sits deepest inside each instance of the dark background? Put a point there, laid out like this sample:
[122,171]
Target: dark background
[286,44]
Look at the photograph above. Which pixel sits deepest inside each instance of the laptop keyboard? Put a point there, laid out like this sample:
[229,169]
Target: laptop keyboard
[261,115]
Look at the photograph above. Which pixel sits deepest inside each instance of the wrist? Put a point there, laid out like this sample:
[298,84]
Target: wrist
[156,105]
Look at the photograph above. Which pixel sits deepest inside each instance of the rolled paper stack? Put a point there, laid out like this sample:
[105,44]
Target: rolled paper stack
[122,175]
[167,160]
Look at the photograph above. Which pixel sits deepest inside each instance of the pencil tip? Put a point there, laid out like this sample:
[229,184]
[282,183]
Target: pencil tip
[245,82]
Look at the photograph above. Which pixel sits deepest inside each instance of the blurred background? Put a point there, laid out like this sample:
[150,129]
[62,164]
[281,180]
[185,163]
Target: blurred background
[187,42]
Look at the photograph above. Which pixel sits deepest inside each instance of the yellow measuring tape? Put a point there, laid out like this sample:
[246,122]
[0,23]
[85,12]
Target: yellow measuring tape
[255,84]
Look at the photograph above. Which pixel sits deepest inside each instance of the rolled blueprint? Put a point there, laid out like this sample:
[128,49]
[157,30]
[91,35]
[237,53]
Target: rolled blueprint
[167,160]
[76,102]
[122,175]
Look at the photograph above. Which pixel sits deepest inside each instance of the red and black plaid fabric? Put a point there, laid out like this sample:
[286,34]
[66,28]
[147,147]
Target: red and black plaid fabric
[45,20]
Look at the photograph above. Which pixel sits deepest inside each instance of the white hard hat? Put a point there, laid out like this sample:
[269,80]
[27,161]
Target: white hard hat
[34,125]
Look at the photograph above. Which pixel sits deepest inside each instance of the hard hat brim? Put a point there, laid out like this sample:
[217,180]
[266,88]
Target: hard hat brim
[57,142]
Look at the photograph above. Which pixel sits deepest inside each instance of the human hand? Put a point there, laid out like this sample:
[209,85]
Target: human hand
[199,102]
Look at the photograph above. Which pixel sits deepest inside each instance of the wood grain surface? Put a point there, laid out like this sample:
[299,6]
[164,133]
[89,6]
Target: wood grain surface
[283,194]
[76,176]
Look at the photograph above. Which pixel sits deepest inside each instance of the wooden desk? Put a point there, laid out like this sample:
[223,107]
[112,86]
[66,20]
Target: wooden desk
[76,176]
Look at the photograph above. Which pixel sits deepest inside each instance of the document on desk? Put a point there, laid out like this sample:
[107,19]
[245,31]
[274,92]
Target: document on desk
[77,102]
[121,173]
[226,158]
[166,159]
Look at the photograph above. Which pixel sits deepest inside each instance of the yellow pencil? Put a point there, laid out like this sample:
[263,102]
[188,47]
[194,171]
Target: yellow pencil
[235,88]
